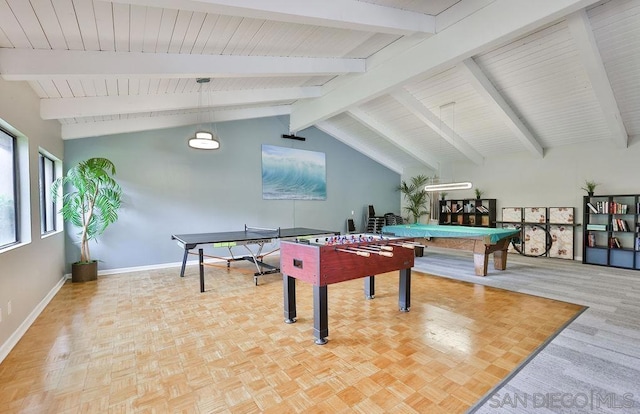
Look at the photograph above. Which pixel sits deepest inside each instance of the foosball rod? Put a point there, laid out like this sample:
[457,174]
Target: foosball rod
[358,252]
[373,250]
[376,248]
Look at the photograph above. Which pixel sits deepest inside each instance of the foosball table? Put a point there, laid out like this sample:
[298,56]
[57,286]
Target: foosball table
[322,261]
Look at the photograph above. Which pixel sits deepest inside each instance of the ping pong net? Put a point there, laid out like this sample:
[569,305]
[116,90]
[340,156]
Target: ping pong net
[267,232]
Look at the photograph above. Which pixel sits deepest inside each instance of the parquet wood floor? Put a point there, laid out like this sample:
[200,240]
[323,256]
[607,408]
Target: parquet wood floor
[149,342]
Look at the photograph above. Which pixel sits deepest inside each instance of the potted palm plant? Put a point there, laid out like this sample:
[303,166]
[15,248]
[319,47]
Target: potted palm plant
[91,204]
[415,196]
[589,187]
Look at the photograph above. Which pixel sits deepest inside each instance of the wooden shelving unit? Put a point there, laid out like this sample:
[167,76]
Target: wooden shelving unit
[546,231]
[468,212]
[612,231]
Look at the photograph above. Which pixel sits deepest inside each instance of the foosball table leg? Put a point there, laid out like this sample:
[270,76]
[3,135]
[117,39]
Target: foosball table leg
[289,285]
[370,287]
[320,314]
[404,290]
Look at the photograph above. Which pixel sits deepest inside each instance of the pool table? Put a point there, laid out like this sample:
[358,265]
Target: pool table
[482,241]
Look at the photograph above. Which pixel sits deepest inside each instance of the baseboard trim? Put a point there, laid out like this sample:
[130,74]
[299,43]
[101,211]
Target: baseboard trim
[151,267]
[6,347]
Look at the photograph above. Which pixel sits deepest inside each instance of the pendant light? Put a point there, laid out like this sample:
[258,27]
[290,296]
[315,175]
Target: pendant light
[203,139]
[448,186]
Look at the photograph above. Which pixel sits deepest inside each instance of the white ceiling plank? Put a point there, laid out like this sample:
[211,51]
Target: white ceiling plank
[51,26]
[425,115]
[76,88]
[343,14]
[166,30]
[582,33]
[101,87]
[179,30]
[23,11]
[205,32]
[191,35]
[64,89]
[87,23]
[137,17]
[121,27]
[104,25]
[49,89]
[152,24]
[120,126]
[392,136]
[494,99]
[29,64]
[66,15]
[351,141]
[11,27]
[112,87]
[112,105]
[494,24]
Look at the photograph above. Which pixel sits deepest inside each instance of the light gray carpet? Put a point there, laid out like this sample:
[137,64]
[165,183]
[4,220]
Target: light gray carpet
[593,365]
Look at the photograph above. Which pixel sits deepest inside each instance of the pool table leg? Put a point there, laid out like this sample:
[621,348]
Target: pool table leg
[500,259]
[480,258]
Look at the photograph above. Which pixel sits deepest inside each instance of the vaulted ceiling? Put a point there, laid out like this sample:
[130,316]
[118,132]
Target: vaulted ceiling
[409,83]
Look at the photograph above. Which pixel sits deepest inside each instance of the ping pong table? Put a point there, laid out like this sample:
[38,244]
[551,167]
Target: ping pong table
[250,236]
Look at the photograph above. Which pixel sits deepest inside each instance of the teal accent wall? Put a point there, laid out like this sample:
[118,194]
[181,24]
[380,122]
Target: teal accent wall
[170,188]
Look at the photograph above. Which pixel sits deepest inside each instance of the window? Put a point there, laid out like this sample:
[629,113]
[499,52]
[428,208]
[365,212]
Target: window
[47,201]
[8,190]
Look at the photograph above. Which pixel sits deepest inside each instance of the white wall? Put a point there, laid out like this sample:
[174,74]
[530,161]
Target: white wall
[28,273]
[519,180]
[169,188]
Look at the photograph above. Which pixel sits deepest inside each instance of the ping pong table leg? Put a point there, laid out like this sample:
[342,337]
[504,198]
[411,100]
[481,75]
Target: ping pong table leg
[404,290]
[201,265]
[370,287]
[184,261]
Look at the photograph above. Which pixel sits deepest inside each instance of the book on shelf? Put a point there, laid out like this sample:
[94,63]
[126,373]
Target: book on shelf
[591,240]
[592,208]
[597,227]
[611,207]
[614,243]
[482,209]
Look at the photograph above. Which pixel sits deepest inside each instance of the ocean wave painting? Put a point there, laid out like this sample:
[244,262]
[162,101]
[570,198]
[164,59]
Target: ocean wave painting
[293,174]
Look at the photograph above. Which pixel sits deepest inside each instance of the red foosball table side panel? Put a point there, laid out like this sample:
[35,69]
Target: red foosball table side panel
[300,261]
[324,265]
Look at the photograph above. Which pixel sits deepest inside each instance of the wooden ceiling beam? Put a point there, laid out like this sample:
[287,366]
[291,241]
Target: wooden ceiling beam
[580,28]
[34,64]
[61,108]
[386,132]
[500,107]
[138,124]
[492,25]
[342,14]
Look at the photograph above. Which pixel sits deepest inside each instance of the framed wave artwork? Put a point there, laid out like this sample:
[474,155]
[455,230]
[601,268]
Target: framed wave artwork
[293,174]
